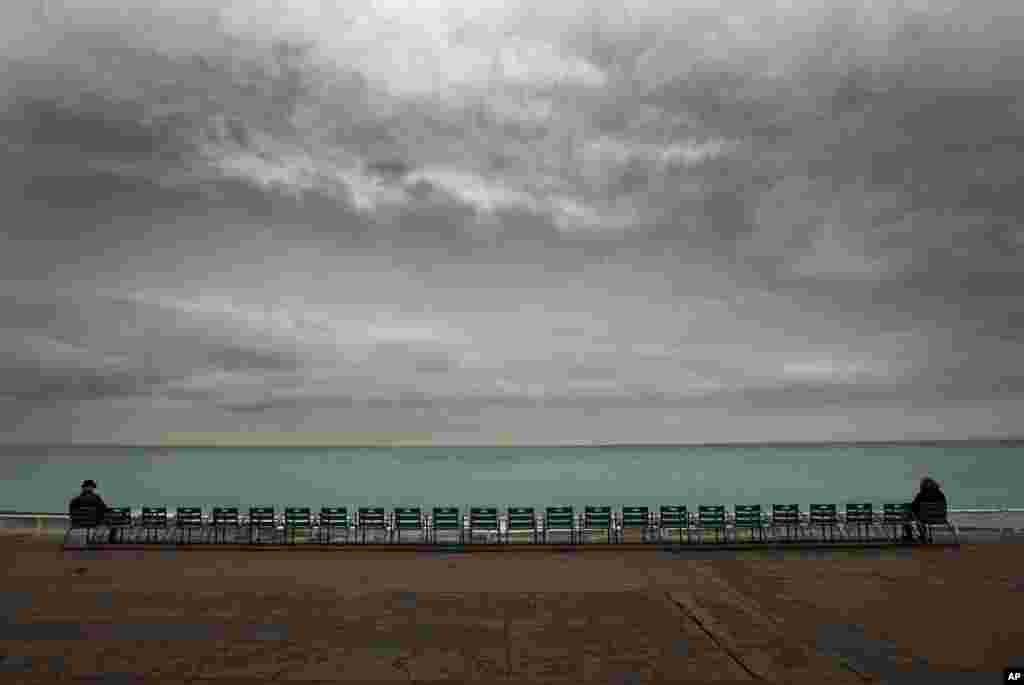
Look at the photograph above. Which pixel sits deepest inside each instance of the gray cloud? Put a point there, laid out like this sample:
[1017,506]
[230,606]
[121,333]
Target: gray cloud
[315,217]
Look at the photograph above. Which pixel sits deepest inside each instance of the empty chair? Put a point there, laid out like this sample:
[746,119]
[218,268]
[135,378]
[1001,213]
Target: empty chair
[86,519]
[223,521]
[823,517]
[262,525]
[331,521]
[153,523]
[408,519]
[674,517]
[748,517]
[895,516]
[521,520]
[118,520]
[635,518]
[297,519]
[446,520]
[483,520]
[860,518]
[786,518]
[188,520]
[934,514]
[371,518]
[597,519]
[711,517]
[560,519]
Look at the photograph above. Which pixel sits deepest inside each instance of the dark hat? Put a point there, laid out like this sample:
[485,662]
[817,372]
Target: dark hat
[88,483]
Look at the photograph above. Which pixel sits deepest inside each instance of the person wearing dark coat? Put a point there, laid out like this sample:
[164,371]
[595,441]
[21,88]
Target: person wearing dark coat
[929,492]
[89,498]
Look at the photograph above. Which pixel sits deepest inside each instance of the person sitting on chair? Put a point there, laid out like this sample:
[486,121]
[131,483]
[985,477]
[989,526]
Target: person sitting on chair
[929,492]
[89,498]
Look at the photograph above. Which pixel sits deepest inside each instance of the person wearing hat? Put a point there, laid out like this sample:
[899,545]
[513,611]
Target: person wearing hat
[929,492]
[89,498]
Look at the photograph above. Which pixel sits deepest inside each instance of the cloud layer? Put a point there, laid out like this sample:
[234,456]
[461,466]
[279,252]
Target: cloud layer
[529,222]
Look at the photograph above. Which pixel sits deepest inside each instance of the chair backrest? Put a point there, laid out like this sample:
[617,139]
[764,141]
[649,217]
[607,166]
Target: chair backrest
[558,518]
[893,514]
[118,517]
[154,517]
[597,517]
[371,517]
[262,517]
[298,517]
[674,517]
[748,515]
[711,515]
[861,514]
[225,516]
[785,514]
[334,517]
[188,517]
[636,517]
[85,517]
[932,513]
[522,518]
[483,518]
[823,515]
[408,518]
[446,518]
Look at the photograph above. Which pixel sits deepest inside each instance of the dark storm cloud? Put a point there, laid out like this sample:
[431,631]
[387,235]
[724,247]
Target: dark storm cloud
[309,213]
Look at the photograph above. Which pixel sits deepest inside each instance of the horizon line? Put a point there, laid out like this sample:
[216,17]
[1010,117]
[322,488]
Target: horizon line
[413,444]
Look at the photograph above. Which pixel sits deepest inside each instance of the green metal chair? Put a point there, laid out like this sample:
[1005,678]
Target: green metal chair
[786,517]
[186,521]
[483,520]
[894,517]
[408,519]
[262,520]
[560,519]
[597,519]
[153,523]
[932,515]
[673,517]
[330,520]
[712,517]
[635,518]
[748,517]
[296,519]
[371,518]
[225,519]
[521,520]
[861,519]
[825,517]
[447,519]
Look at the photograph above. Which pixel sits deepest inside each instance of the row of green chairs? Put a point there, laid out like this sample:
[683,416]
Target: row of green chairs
[785,521]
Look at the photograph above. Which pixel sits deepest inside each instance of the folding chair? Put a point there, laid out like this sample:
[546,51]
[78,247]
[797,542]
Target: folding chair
[446,519]
[333,519]
[560,519]
[521,520]
[894,517]
[225,519]
[118,520]
[786,517]
[483,520]
[371,518]
[673,517]
[409,519]
[635,518]
[597,519]
[262,519]
[712,518]
[824,516]
[859,517]
[748,517]
[153,523]
[296,519]
[187,520]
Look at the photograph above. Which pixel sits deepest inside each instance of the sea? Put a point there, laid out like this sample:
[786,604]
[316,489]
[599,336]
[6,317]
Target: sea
[42,478]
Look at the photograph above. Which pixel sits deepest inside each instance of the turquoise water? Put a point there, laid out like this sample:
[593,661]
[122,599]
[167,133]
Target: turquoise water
[43,479]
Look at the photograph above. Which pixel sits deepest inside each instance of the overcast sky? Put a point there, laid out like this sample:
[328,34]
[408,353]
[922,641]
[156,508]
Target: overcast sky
[489,222]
